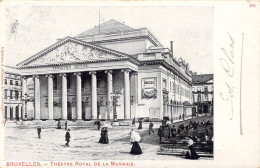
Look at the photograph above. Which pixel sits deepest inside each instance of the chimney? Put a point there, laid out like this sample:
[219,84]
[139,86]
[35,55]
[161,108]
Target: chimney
[171,47]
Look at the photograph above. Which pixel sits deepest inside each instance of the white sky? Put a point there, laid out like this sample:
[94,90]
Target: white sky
[191,29]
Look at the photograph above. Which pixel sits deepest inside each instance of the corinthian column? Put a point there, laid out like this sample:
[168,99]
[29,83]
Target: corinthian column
[126,94]
[64,96]
[109,91]
[50,97]
[37,98]
[79,101]
[94,94]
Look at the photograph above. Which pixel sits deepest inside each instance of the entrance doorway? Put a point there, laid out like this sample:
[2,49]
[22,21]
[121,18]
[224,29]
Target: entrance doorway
[17,113]
[11,113]
[69,110]
[98,111]
[5,113]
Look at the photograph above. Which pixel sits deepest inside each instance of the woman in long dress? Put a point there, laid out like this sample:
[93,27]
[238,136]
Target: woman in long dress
[191,153]
[105,136]
[136,149]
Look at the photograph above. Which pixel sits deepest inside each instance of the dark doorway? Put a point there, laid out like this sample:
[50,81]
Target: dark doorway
[98,111]
[17,113]
[11,113]
[205,109]
[69,111]
[5,113]
[22,113]
[83,111]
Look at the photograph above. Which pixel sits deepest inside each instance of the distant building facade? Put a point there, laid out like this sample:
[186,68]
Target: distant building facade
[203,92]
[12,93]
[113,72]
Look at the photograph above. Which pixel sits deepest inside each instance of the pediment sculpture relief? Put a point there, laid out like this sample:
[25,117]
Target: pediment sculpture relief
[71,51]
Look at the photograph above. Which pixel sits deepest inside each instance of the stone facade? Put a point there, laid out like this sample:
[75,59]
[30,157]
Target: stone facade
[122,74]
[12,94]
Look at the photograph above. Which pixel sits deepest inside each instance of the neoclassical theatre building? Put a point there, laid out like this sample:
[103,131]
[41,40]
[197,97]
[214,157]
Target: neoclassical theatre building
[110,71]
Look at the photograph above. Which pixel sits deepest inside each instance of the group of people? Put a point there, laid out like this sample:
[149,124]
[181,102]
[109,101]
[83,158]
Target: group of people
[198,131]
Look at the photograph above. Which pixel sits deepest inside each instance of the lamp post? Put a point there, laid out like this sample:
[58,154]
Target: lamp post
[115,95]
[25,98]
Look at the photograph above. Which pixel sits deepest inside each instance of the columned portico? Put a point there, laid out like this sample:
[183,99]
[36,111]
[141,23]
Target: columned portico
[93,95]
[126,94]
[78,94]
[37,99]
[109,91]
[50,96]
[64,96]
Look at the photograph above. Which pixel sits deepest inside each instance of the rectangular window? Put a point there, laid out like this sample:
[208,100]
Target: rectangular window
[206,97]
[205,88]
[11,82]
[5,93]
[11,94]
[5,81]
[199,98]
[164,84]
[199,89]
[16,94]
[16,83]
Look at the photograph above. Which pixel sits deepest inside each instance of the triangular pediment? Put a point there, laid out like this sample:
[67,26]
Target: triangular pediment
[71,50]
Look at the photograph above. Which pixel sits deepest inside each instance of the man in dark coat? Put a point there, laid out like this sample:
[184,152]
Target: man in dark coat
[160,133]
[133,122]
[39,132]
[140,124]
[67,137]
[59,125]
[151,128]
[98,124]
[66,125]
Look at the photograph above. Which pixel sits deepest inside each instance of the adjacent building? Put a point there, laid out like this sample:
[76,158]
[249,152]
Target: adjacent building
[12,94]
[110,71]
[203,93]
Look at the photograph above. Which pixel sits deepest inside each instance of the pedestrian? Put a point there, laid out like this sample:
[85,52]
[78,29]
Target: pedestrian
[59,125]
[105,136]
[140,124]
[39,132]
[191,153]
[151,128]
[160,133]
[136,149]
[66,124]
[67,137]
[133,122]
[98,124]
[101,136]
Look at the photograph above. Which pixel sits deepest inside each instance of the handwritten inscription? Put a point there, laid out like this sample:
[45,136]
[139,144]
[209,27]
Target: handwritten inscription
[227,63]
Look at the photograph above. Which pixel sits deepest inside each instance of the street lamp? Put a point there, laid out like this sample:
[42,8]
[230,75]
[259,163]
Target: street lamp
[115,95]
[25,98]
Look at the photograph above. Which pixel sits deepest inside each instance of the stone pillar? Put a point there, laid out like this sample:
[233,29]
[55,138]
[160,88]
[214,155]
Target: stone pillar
[79,94]
[24,90]
[94,94]
[109,92]
[50,97]
[37,98]
[126,94]
[64,97]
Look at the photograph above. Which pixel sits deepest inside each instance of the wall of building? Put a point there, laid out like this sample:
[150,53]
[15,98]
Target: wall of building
[130,47]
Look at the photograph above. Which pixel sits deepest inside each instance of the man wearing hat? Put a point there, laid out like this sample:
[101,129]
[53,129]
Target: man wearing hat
[67,137]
